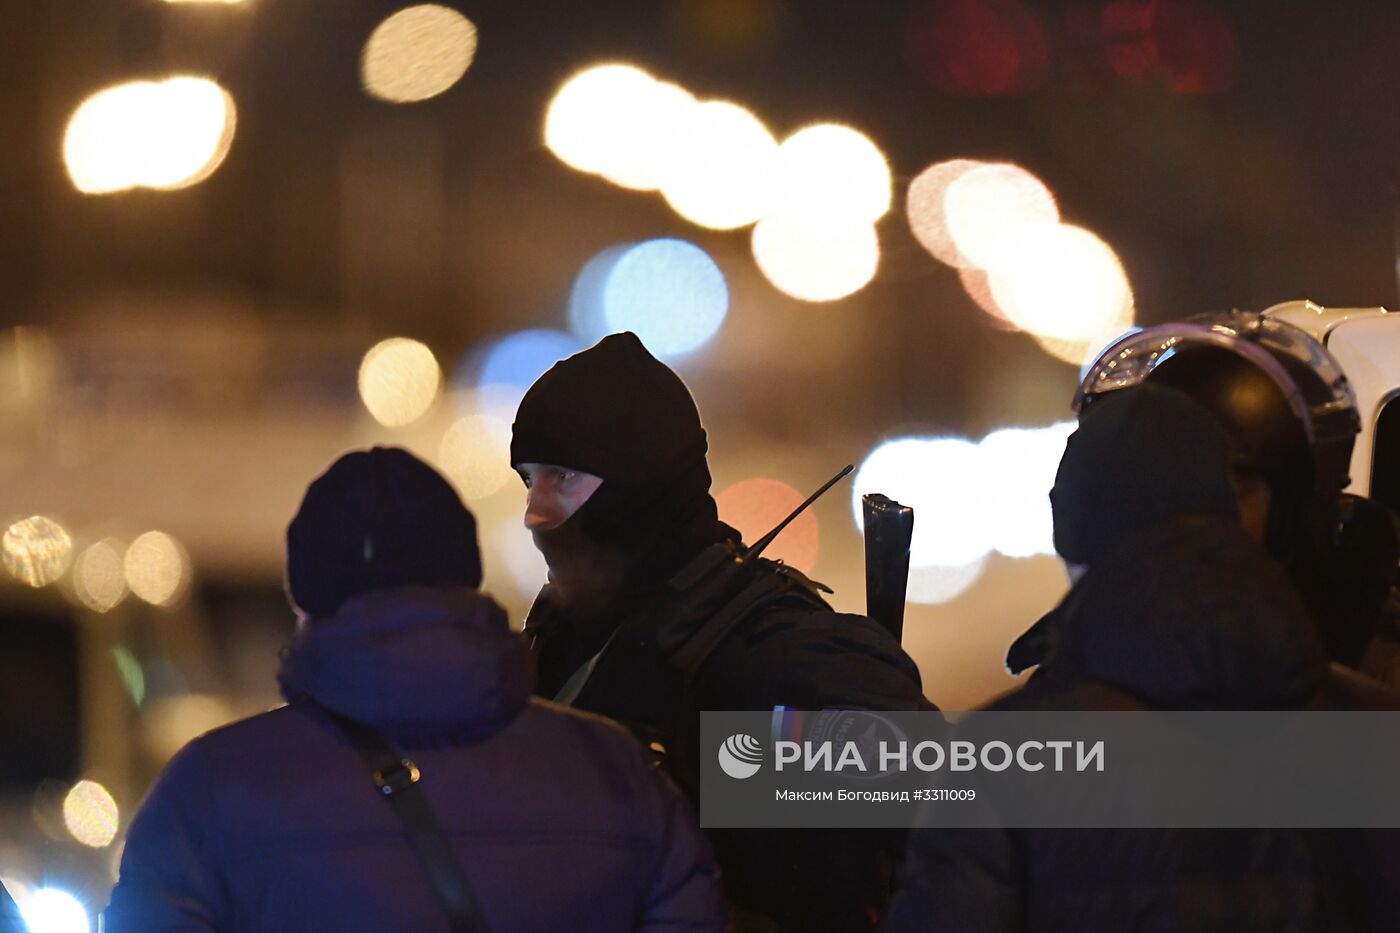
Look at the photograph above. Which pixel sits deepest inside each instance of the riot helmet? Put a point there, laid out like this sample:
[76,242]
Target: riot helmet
[1279,393]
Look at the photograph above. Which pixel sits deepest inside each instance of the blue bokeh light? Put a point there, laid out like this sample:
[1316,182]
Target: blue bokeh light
[669,292]
[507,366]
[586,316]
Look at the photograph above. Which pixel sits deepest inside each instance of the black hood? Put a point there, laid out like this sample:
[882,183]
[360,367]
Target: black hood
[1190,614]
[617,412]
[417,663]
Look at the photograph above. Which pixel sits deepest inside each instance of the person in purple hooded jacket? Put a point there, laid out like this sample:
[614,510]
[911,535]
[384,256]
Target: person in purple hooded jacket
[274,822]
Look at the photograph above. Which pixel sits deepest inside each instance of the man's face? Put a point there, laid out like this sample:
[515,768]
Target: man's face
[554,493]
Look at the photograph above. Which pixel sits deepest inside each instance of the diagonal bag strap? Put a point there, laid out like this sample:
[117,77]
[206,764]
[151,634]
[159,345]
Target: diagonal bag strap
[396,778]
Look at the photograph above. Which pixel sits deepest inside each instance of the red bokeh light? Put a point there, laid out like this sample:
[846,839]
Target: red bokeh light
[1188,44]
[755,506]
[977,48]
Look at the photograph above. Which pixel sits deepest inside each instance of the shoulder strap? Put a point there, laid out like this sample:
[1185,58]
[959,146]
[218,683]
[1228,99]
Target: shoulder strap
[396,778]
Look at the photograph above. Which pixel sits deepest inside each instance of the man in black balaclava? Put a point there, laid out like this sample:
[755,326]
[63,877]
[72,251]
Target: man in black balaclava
[610,445]
[1174,607]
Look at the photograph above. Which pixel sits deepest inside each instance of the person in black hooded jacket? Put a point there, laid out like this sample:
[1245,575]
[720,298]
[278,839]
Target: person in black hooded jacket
[612,451]
[1175,607]
[275,822]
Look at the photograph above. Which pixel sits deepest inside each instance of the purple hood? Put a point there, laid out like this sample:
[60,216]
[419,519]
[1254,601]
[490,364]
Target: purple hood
[426,664]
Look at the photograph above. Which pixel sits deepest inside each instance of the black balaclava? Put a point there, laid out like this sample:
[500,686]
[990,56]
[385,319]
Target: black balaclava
[615,411]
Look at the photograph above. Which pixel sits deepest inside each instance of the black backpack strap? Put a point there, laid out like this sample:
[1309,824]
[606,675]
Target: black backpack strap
[396,779]
[770,585]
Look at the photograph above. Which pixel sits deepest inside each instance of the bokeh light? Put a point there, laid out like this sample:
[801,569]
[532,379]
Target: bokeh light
[417,53]
[132,675]
[728,26]
[173,721]
[1018,468]
[637,157]
[831,175]
[1188,45]
[587,318]
[595,114]
[978,287]
[28,366]
[157,568]
[1060,281]
[99,576]
[935,585]
[926,208]
[755,506]
[499,372]
[91,814]
[989,203]
[51,910]
[939,479]
[36,550]
[669,293]
[475,455]
[399,381]
[1080,353]
[719,168]
[814,263]
[164,135]
[977,48]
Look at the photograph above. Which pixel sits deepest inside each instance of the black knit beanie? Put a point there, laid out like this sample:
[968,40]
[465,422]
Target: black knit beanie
[612,410]
[375,520]
[1140,456]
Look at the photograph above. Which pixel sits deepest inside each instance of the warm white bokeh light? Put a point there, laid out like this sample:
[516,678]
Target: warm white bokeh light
[935,585]
[36,550]
[641,144]
[399,381]
[417,53]
[1080,353]
[1060,281]
[719,167]
[91,814]
[814,263]
[99,576]
[925,205]
[989,203]
[157,569]
[755,506]
[595,114]
[933,476]
[475,455]
[831,175]
[1017,470]
[164,135]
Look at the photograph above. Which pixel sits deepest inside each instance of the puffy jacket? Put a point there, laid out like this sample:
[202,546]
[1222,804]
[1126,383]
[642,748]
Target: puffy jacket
[273,823]
[1189,615]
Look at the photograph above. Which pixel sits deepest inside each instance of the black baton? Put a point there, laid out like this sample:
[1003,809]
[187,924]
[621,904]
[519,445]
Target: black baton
[889,527]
